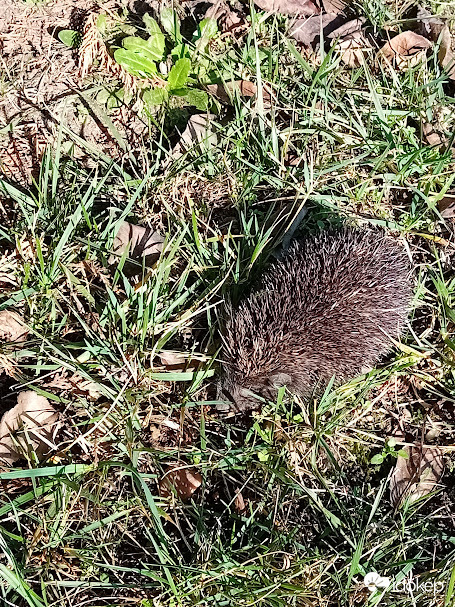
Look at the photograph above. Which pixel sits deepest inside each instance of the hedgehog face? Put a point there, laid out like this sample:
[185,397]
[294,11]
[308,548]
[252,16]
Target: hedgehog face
[242,399]
[244,394]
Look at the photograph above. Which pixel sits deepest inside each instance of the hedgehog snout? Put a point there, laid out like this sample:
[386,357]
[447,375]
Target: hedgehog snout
[239,397]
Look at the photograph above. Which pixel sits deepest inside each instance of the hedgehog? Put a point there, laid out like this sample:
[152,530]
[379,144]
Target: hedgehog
[329,308]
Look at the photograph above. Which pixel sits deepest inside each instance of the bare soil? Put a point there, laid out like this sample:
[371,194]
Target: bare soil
[40,86]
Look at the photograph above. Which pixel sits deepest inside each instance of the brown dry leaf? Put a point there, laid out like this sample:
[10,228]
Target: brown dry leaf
[354,49]
[432,136]
[436,30]
[34,423]
[12,326]
[416,476]
[334,6]
[171,358]
[142,243]
[228,20]
[405,50]
[245,88]
[446,56]
[446,206]
[308,30]
[198,131]
[184,481]
[347,29]
[177,361]
[429,25]
[239,502]
[296,8]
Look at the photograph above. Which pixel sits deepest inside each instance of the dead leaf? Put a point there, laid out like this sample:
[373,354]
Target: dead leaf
[308,30]
[446,56]
[296,8]
[229,21]
[354,49]
[239,502]
[141,242]
[446,206]
[431,135]
[416,476]
[182,481]
[347,29]
[225,91]
[198,131]
[334,6]
[405,50]
[436,30]
[169,359]
[34,423]
[429,25]
[12,326]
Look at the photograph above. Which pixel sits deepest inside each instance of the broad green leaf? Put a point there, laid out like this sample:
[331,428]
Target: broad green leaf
[179,73]
[207,28]
[153,97]
[152,50]
[156,45]
[103,96]
[377,459]
[179,51]
[195,97]
[70,38]
[111,99]
[151,25]
[403,453]
[134,62]
[171,23]
[101,23]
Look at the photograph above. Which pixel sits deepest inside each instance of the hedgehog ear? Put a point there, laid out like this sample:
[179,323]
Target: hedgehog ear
[278,380]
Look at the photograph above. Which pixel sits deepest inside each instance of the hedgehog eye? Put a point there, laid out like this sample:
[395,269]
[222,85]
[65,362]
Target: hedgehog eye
[278,380]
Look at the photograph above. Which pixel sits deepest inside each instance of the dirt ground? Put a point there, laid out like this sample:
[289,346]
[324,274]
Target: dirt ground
[40,86]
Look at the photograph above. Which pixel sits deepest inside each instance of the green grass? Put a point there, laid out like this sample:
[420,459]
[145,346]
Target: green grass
[87,526]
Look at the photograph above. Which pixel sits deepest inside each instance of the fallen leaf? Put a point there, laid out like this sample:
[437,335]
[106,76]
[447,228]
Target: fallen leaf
[353,49]
[34,423]
[308,30]
[177,361]
[74,384]
[239,502]
[446,56]
[431,135]
[429,25]
[446,206]
[417,475]
[225,91]
[334,6]
[198,131]
[142,244]
[228,20]
[297,8]
[347,29]
[405,50]
[12,326]
[182,481]
[171,358]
